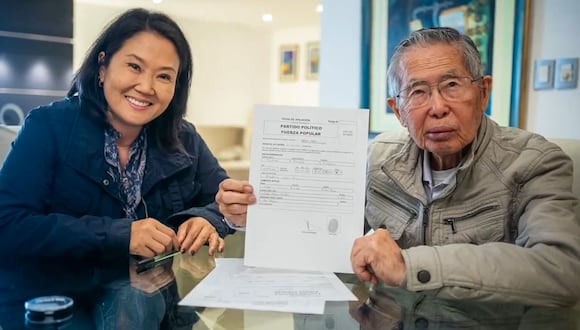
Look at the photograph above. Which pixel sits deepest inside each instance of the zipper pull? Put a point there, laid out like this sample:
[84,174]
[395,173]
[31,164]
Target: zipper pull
[451,222]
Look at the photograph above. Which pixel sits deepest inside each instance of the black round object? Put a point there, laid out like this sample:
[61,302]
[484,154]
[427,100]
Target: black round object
[48,311]
[424,276]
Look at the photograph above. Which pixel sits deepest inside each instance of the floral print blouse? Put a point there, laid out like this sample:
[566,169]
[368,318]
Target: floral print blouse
[130,178]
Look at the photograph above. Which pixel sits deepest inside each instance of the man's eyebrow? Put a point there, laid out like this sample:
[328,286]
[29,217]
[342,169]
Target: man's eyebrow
[446,75]
[415,82]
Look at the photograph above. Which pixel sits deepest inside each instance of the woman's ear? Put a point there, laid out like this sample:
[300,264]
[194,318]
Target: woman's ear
[101,57]
[101,60]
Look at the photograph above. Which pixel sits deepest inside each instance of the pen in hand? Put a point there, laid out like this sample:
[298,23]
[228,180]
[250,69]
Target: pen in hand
[149,263]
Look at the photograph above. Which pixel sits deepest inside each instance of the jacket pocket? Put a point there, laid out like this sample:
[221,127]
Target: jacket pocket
[478,225]
[383,210]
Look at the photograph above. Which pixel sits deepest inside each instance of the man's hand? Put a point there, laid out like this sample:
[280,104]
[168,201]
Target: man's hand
[149,238]
[378,257]
[233,199]
[195,232]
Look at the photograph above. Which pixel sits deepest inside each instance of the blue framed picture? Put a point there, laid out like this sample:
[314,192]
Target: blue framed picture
[566,73]
[544,74]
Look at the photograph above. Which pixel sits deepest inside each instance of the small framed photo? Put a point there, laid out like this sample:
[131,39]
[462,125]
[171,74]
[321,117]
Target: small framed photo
[544,74]
[312,60]
[288,67]
[566,73]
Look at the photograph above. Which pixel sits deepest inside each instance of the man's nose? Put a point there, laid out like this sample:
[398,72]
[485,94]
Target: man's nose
[438,106]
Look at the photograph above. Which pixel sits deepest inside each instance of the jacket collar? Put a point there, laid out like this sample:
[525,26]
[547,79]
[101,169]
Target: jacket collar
[85,152]
[406,166]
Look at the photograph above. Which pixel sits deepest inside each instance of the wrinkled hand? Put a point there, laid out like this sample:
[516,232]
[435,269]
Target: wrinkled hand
[153,279]
[378,257]
[195,232]
[149,238]
[233,199]
[370,318]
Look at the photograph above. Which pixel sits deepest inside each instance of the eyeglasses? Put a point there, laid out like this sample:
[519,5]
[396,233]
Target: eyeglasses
[455,89]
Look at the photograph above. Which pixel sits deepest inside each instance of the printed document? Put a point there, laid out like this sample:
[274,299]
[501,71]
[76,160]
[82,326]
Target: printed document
[232,285]
[308,168]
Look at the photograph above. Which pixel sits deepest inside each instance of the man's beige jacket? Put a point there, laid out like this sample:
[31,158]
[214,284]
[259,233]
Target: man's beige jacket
[507,231]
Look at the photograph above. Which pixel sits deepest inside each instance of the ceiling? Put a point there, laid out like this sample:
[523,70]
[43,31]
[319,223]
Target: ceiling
[286,13]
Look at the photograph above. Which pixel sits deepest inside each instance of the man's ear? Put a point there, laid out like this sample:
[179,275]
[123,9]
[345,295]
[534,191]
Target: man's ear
[392,102]
[486,83]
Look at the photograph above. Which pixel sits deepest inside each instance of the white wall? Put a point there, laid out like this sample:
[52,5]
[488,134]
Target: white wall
[231,71]
[301,92]
[554,34]
[340,54]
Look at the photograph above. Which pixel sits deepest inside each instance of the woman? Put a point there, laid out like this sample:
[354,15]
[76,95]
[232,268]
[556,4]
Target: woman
[113,170]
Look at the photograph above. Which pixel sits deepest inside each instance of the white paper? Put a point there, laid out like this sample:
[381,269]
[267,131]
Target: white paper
[232,285]
[308,168]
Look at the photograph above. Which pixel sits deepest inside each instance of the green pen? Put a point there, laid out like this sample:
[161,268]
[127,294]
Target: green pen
[149,263]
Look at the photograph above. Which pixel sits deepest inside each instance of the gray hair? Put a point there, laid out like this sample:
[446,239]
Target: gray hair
[430,36]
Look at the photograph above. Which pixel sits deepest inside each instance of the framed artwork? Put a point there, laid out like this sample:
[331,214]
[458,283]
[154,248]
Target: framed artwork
[496,27]
[566,73]
[288,68]
[544,74]
[312,60]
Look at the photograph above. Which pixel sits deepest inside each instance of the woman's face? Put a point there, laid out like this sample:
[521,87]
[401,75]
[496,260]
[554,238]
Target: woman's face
[139,82]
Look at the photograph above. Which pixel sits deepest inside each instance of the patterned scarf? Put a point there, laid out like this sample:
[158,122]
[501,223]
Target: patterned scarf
[131,178]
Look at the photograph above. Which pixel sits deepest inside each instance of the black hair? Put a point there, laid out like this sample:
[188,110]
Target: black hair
[164,129]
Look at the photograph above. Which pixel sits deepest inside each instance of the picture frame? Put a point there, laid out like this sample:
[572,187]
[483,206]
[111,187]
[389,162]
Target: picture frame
[507,42]
[312,60]
[288,66]
[544,74]
[566,73]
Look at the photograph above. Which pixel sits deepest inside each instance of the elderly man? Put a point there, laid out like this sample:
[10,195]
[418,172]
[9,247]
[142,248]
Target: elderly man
[461,207]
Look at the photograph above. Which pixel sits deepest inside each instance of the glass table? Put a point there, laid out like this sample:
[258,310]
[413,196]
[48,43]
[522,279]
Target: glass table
[124,299]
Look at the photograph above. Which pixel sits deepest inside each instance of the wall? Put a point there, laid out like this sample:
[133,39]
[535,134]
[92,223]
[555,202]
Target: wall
[35,55]
[554,34]
[301,92]
[229,72]
[340,45]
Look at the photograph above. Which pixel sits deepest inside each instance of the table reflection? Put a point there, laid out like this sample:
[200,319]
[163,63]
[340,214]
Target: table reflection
[117,297]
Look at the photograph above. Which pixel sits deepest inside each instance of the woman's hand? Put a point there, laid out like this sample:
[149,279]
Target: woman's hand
[152,279]
[149,237]
[233,199]
[195,232]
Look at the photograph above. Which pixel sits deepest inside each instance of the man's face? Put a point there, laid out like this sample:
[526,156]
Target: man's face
[439,125]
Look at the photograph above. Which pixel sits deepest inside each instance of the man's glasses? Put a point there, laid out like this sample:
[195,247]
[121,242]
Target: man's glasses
[455,89]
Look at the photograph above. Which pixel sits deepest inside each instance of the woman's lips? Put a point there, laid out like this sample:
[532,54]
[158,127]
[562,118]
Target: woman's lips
[138,104]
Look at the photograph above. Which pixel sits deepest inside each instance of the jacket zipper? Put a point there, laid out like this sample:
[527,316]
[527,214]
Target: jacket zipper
[408,209]
[425,223]
[451,221]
